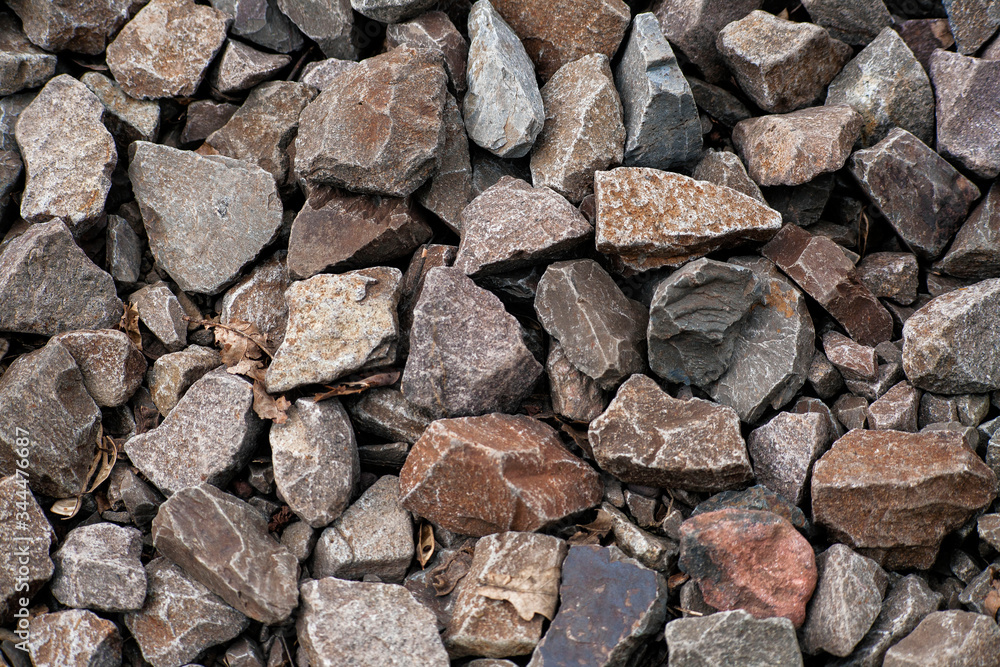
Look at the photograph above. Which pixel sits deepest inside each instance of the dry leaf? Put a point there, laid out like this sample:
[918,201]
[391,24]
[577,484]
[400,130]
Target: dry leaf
[783,14]
[425,544]
[357,386]
[677,580]
[280,519]
[130,325]
[580,438]
[593,532]
[267,406]
[531,592]
[67,507]
[452,569]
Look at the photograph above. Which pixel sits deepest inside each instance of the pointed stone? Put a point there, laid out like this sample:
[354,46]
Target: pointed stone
[891,275]
[22,64]
[967,107]
[173,373]
[259,298]
[975,252]
[950,638]
[205,117]
[261,22]
[386,413]
[127,118]
[726,168]
[693,25]
[160,310]
[895,410]
[241,67]
[329,23]
[575,395]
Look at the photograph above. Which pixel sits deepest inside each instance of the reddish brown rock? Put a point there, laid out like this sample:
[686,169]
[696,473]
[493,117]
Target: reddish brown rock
[966,90]
[893,275]
[575,395]
[524,477]
[923,36]
[450,189]
[820,267]
[81,26]
[855,362]
[893,496]
[435,31]
[896,409]
[750,560]
[259,298]
[693,24]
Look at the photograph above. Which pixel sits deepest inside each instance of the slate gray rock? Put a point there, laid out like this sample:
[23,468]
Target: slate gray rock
[124,251]
[386,413]
[856,22]
[203,240]
[972,22]
[97,566]
[82,27]
[435,31]
[172,374]
[329,23]
[241,67]
[261,22]
[22,523]
[205,117]
[450,189]
[975,252]
[726,168]
[693,25]
[391,11]
[652,551]
[160,310]
[717,102]
[733,637]
[112,367]
[574,394]
[784,449]
[22,64]
[73,638]
[953,638]
[259,298]
[965,89]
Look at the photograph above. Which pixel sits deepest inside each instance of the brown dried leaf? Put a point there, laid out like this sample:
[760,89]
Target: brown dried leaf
[677,580]
[452,569]
[280,519]
[530,592]
[130,325]
[357,386]
[425,544]
[593,532]
[580,438]
[267,406]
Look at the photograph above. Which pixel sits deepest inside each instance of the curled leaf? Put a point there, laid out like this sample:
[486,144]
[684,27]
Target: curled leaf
[530,591]
[453,568]
[593,532]
[357,386]
[425,544]
[66,507]
[267,406]
[130,324]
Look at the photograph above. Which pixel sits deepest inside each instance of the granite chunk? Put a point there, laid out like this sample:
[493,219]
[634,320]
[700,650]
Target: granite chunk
[386,413]
[127,118]
[435,31]
[205,117]
[259,298]
[261,22]
[726,168]
[896,409]
[81,27]
[784,449]
[124,251]
[112,367]
[160,310]
[574,394]
[972,22]
[22,64]
[450,189]
[891,275]
[694,24]
[857,22]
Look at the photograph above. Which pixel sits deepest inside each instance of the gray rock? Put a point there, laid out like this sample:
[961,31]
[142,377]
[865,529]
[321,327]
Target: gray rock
[203,241]
[487,169]
[386,413]
[732,637]
[22,64]
[241,67]
[435,31]
[173,373]
[803,204]
[207,437]
[892,275]
[450,189]
[784,450]
[948,638]
[321,73]
[300,538]
[124,251]
[975,252]
[855,22]
[141,501]
[467,355]
[503,108]
[725,168]
[74,638]
[83,27]
[851,411]
[261,22]
[22,523]
[224,543]
[824,378]
[315,457]
[259,298]
[718,103]
[97,566]
[127,118]
[112,367]
[652,551]
[329,23]
[337,324]
[368,623]
[181,617]
[972,22]
[391,11]
[574,394]
[967,110]
[161,312]
[244,652]
[967,409]
[895,410]
[205,117]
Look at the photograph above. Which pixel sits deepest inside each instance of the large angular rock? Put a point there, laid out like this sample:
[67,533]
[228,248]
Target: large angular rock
[450,189]
[795,148]
[693,25]
[23,525]
[647,437]
[329,23]
[224,544]
[82,27]
[241,67]
[899,166]
[925,485]
[732,637]
[207,437]
[967,107]
[337,324]
[784,450]
[259,298]
[22,64]
[315,458]
[435,31]
[98,567]
[147,58]
[392,143]
[261,22]
[529,479]
[975,252]
[503,108]
[366,623]
[652,214]
[950,638]
[467,354]
[949,345]
[972,22]
[203,240]
[779,64]
[112,367]
[73,638]
[512,225]
[856,22]
[172,374]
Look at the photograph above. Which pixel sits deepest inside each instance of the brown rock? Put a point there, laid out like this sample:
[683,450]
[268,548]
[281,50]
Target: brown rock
[259,298]
[241,67]
[112,367]
[450,189]
[784,450]
[435,31]
[975,252]
[923,36]
[892,275]
[966,91]
[855,362]
[693,25]
[896,409]
[24,524]
[173,373]
[574,394]
[205,117]
[81,26]
[426,258]
[73,638]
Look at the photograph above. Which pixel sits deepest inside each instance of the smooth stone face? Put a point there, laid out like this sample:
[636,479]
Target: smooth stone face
[949,345]
[967,107]
[467,354]
[647,437]
[124,251]
[97,566]
[22,522]
[259,298]
[575,395]
[750,560]
[601,331]
[972,22]
[329,23]
[583,130]
[725,168]
[181,617]
[435,31]
[795,148]
[224,543]
[22,64]
[528,478]
[892,275]
[82,27]
[733,637]
[609,605]
[896,409]
[205,117]
[926,485]
[160,310]
[693,25]
[241,67]
[337,324]
[503,108]
[784,450]
[261,22]
[207,437]
[374,537]
[396,132]
[512,225]
[368,623]
[74,638]
[781,65]
[450,189]
[173,373]
[148,61]
[975,252]
[386,413]
[953,638]
[856,22]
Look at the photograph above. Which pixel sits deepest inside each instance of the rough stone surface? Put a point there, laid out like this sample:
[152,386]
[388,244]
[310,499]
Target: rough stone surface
[718,103]
[321,73]
[725,168]
[926,485]
[261,22]
[953,638]
[733,637]
[97,566]
[160,310]
[652,551]
[895,410]
[967,110]
[435,31]
[892,275]
[22,522]
[647,437]
[127,118]
[74,638]
[259,298]
[756,498]
[854,361]
[395,102]
[693,25]
[82,27]
[149,61]
[22,64]
[450,189]
[329,23]
[975,252]
[386,413]
[575,395]
[205,117]
[173,373]
[527,478]
[783,452]
[781,65]
[857,22]
[972,22]
[112,367]
[124,251]
[467,355]
[241,67]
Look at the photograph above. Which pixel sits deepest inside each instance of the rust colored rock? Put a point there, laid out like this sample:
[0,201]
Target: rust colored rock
[795,148]
[821,269]
[435,31]
[524,477]
[561,31]
[750,560]
[379,127]
[693,25]
[893,496]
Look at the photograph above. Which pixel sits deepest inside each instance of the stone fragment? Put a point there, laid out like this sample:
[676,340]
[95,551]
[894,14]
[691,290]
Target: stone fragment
[259,298]
[386,413]
[949,345]
[750,560]
[22,523]
[112,367]
[950,638]
[127,118]
[784,449]
[895,410]
[22,64]
[337,324]
[315,459]
[160,310]
[854,361]
[851,411]
[73,638]
[321,73]
[795,148]
[732,637]
[886,377]
[513,225]
[367,623]
[374,536]
[847,600]
[395,102]
[503,108]
[181,617]
[779,64]
[725,168]
[435,31]
[224,543]
[967,409]
[124,251]
[173,373]
[975,252]
[693,25]
[857,23]
[261,22]
[807,404]
[244,652]
[487,169]
[574,394]
[450,189]
[391,455]
[972,22]
[892,275]
[300,538]
[329,23]
[335,231]
[652,551]
[97,566]
[207,437]
[822,270]
[82,27]
[241,67]
[804,204]
[141,501]
[965,89]
[609,606]
[205,117]
[149,61]
[529,479]
[757,498]
[467,354]
[717,102]
[824,378]
[656,214]
[930,478]
[695,317]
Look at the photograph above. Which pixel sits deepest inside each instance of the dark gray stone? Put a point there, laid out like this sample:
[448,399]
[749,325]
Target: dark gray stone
[732,637]
[205,117]
[892,275]
[975,252]
[717,102]
[824,377]
[386,413]
[693,25]
[124,251]
[857,22]
[967,111]
[725,168]
[261,22]
[97,566]
[802,205]
[329,23]
[241,67]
